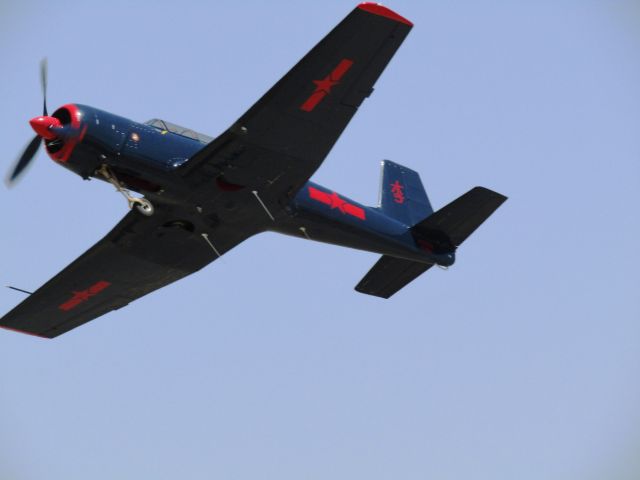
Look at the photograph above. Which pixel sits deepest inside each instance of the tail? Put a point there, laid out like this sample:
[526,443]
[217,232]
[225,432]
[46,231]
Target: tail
[446,229]
[440,232]
[389,275]
[402,195]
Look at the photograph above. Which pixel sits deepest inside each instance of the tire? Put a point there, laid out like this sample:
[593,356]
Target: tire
[145,207]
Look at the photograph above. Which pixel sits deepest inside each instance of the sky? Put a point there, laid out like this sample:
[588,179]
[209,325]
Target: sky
[521,361]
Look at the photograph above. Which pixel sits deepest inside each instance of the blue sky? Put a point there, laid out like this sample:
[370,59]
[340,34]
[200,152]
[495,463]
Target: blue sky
[521,361]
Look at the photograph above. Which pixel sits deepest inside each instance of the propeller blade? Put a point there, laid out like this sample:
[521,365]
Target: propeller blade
[43,83]
[25,159]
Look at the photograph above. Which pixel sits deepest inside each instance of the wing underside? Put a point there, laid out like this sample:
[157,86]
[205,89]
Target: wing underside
[140,255]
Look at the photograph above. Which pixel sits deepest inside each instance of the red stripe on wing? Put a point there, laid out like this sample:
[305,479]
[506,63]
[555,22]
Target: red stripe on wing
[313,100]
[341,69]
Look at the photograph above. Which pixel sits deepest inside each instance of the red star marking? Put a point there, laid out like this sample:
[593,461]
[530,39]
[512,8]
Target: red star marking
[83,295]
[337,202]
[333,200]
[324,86]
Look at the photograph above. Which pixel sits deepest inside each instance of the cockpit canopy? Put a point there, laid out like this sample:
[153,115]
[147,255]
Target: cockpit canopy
[178,130]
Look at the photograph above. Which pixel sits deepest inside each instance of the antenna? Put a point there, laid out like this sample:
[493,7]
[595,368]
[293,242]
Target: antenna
[19,290]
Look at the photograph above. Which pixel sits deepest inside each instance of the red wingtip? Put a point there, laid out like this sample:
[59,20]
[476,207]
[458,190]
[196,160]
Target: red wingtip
[383,11]
[22,331]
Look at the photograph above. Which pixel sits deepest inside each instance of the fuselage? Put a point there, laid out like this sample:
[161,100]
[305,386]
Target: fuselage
[148,158]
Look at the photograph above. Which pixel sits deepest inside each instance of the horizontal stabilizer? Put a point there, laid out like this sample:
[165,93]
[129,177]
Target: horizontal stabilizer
[460,218]
[389,275]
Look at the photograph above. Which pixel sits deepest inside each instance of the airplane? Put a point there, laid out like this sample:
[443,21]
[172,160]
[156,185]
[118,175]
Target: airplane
[202,196]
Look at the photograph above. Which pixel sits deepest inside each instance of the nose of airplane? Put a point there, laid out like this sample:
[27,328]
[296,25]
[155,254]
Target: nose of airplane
[44,126]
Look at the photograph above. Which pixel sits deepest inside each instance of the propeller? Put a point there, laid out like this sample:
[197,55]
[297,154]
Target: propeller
[40,125]
[25,159]
[44,67]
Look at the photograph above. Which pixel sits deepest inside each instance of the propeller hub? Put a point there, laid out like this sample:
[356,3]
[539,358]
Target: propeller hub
[44,126]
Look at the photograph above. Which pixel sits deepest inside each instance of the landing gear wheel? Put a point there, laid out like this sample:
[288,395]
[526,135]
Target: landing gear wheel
[144,206]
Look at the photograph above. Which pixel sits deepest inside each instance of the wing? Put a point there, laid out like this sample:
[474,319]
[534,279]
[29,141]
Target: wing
[140,255]
[282,139]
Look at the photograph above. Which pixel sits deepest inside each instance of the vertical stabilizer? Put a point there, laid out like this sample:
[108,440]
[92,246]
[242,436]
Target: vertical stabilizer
[402,195]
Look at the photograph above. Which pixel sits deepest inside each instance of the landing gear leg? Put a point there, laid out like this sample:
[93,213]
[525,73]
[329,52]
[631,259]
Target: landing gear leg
[144,206]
